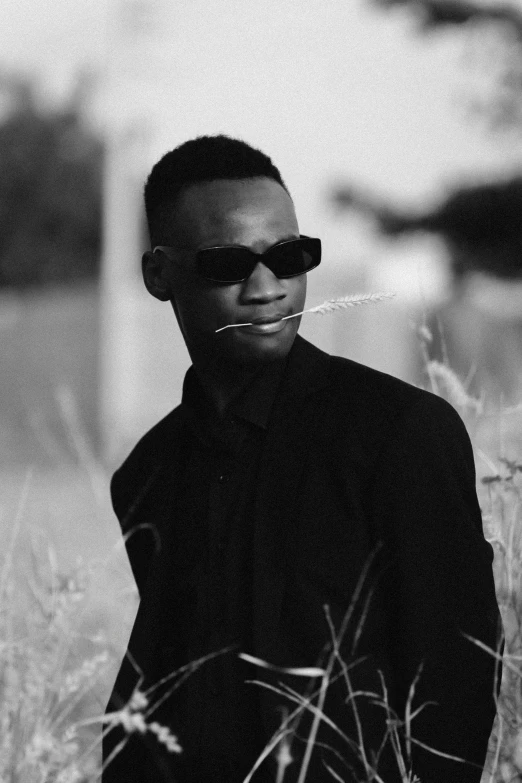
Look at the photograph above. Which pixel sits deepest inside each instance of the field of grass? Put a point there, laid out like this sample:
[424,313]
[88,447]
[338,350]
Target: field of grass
[67,603]
[66,611]
[496,435]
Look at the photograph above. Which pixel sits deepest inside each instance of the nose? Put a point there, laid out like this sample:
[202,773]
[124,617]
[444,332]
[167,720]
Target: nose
[262,286]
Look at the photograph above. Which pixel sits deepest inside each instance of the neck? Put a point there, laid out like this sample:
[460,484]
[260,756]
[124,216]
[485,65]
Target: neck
[223,382]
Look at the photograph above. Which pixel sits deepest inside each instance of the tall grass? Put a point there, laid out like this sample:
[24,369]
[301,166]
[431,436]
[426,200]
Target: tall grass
[496,433]
[50,665]
[56,650]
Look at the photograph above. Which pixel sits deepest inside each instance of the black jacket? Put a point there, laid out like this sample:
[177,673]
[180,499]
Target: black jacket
[361,474]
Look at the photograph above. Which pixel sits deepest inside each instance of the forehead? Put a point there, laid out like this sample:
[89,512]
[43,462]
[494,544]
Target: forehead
[233,211]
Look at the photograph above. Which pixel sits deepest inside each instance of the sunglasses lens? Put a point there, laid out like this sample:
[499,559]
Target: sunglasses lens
[293,258]
[234,264]
[225,264]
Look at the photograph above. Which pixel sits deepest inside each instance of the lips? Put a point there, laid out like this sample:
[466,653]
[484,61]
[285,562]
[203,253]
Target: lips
[267,324]
[269,319]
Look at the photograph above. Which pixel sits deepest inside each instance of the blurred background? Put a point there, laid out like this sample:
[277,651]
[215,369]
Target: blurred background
[397,125]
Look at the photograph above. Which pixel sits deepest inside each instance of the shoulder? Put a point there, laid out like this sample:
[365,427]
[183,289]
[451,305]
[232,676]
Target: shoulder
[352,398]
[367,410]
[134,479]
[154,444]
[403,442]
[376,394]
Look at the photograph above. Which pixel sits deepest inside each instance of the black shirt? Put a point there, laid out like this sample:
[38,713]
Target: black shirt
[218,718]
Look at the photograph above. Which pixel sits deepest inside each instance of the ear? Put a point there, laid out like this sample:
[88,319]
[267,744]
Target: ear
[155,275]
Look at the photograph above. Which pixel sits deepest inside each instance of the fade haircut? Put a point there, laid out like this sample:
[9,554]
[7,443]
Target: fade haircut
[203,159]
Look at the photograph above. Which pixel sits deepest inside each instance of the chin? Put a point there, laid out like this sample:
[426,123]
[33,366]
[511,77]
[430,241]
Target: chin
[252,350]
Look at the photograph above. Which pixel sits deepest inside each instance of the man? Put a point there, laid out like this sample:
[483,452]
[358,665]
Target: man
[293,498]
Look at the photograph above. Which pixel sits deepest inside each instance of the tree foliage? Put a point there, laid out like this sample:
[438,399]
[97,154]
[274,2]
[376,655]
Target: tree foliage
[50,191]
[501,22]
[480,224]
[434,14]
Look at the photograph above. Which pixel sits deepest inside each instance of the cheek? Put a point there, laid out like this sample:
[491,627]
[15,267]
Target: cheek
[298,292]
[221,302]
[207,310]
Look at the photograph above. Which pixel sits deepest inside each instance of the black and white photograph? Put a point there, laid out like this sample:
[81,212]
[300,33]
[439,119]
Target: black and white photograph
[261,391]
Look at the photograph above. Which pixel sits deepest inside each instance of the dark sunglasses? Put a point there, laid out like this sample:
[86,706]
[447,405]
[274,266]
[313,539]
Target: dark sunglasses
[234,264]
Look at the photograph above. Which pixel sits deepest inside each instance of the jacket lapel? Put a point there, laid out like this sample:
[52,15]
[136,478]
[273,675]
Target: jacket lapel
[290,435]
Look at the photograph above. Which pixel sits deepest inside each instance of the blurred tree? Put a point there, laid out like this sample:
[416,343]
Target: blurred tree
[481,224]
[478,329]
[496,29]
[50,190]
[437,13]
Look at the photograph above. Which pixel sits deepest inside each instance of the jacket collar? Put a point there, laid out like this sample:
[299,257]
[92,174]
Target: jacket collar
[291,428]
[307,370]
[253,404]
[305,373]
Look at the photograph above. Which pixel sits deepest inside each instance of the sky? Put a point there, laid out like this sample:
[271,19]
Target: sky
[334,90]
[394,87]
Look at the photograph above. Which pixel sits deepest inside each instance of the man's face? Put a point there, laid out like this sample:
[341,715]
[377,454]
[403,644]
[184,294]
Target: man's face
[254,213]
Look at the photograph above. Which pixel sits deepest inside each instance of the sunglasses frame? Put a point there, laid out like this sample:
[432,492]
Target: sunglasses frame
[169,251]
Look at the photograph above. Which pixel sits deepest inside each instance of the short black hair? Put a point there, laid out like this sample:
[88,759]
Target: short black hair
[203,159]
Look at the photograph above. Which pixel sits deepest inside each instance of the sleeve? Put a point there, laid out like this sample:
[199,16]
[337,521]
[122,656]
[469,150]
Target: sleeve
[438,589]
